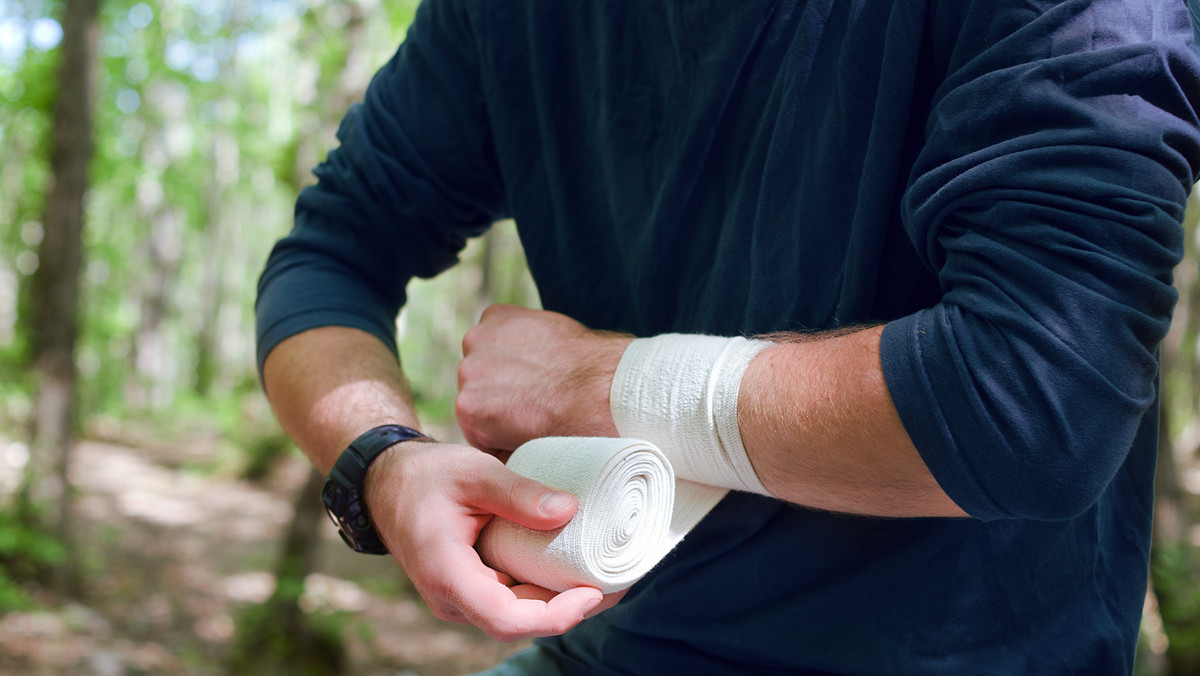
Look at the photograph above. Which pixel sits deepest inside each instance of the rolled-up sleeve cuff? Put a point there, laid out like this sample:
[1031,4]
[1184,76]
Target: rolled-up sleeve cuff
[297,298]
[905,353]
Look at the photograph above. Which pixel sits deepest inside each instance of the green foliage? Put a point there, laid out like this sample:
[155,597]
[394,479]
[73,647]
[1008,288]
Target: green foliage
[1175,570]
[233,436]
[269,644]
[388,586]
[277,637]
[261,452]
[26,96]
[208,118]
[28,553]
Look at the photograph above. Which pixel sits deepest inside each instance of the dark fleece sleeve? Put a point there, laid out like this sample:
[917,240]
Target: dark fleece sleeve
[412,179]
[1060,151]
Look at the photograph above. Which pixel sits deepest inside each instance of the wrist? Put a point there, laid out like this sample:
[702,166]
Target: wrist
[375,490]
[597,374]
[344,493]
[681,393]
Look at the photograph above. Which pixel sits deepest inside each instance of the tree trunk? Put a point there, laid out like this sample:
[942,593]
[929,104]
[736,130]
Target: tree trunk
[55,284]
[277,636]
[300,545]
[213,293]
[312,653]
[152,359]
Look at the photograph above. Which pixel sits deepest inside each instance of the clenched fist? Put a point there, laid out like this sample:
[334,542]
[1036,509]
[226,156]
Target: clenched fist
[531,373]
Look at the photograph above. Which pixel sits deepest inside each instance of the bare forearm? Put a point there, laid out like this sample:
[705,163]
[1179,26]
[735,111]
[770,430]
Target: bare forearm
[329,385]
[820,428]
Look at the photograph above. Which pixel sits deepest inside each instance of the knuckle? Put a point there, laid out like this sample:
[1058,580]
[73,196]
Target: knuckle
[490,315]
[470,375]
[496,310]
[468,341]
[469,410]
[476,440]
[463,373]
[464,406]
[468,419]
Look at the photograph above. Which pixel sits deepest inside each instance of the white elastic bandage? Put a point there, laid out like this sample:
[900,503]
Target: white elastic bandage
[680,392]
[632,512]
[677,392]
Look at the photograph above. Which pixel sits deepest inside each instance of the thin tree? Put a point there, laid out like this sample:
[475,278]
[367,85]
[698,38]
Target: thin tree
[281,615]
[55,284]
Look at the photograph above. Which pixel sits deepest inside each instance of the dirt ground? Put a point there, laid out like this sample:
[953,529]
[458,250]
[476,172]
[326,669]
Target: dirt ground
[173,554]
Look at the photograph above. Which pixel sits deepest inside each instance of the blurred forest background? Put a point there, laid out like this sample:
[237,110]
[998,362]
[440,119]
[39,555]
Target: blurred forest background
[153,519]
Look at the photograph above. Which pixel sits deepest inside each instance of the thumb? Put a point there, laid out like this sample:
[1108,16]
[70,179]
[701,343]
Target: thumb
[507,494]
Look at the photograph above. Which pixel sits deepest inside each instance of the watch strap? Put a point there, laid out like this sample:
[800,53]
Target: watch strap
[343,489]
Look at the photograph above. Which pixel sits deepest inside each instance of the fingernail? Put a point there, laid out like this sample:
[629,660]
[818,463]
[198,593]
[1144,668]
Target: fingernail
[554,502]
[587,610]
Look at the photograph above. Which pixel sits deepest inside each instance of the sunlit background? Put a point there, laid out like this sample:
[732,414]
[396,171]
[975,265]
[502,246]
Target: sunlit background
[208,117]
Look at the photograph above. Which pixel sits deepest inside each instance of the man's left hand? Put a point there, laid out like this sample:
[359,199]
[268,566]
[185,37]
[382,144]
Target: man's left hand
[531,373]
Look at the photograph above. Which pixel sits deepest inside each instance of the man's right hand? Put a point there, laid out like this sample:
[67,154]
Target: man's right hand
[429,501]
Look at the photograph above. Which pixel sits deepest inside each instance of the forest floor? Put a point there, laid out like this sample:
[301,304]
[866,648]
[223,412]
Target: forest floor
[173,555]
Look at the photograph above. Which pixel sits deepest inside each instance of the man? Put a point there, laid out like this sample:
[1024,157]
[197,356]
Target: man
[963,218]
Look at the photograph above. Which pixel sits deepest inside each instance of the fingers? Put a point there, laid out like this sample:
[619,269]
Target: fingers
[490,599]
[501,491]
[509,377]
[430,518]
[522,611]
[607,602]
[467,591]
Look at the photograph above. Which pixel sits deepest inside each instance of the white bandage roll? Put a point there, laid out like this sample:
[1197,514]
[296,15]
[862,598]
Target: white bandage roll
[681,392]
[630,514]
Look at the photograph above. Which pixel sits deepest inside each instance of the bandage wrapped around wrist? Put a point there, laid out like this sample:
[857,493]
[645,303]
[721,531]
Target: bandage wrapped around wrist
[680,392]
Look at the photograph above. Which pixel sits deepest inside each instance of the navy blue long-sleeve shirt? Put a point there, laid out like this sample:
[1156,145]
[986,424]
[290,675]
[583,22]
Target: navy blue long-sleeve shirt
[1002,181]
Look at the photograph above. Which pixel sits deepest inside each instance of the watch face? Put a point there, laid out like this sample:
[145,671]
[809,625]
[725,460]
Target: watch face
[345,508]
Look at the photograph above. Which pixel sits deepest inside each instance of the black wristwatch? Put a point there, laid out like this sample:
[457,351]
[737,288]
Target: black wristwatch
[342,493]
